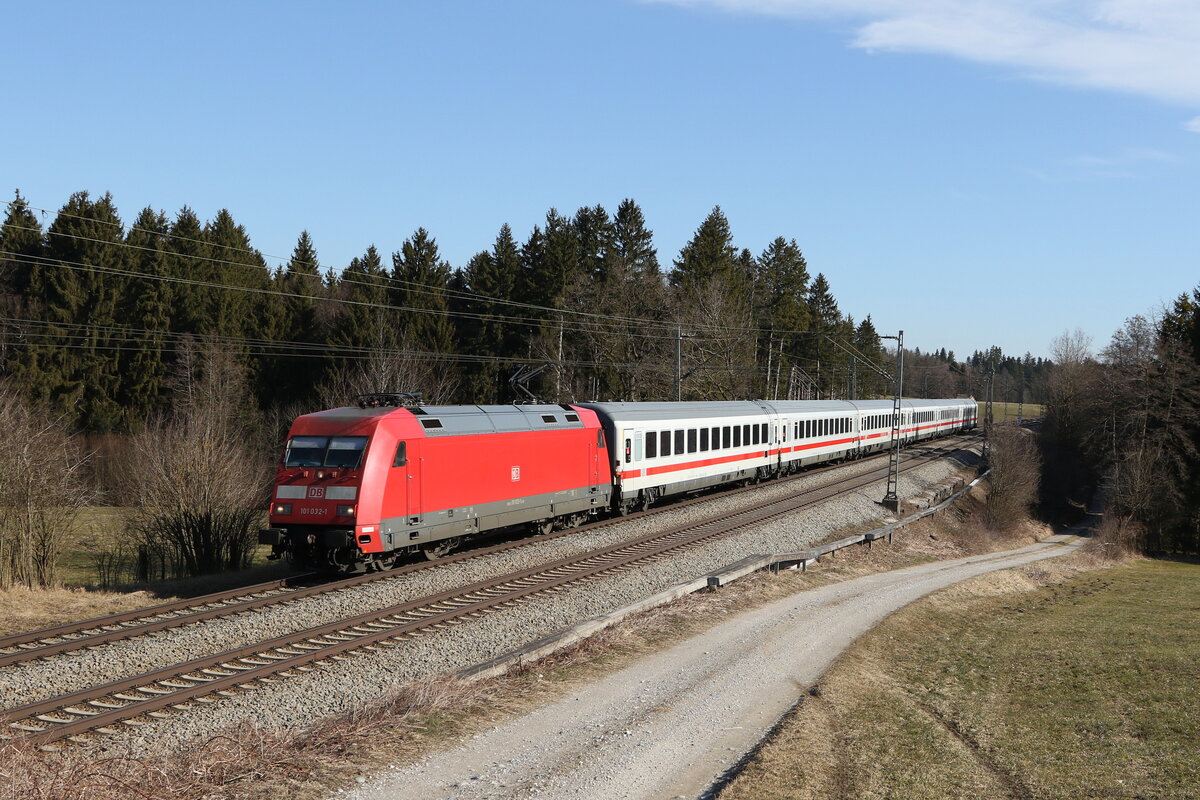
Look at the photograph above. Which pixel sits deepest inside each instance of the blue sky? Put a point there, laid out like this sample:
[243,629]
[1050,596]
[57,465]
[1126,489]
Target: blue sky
[974,173]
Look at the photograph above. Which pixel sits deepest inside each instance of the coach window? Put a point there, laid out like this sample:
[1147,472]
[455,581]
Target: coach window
[401,455]
[753,434]
[737,435]
[716,438]
[726,437]
[692,440]
[703,439]
[664,443]
[746,435]
[651,445]
[679,436]
[766,433]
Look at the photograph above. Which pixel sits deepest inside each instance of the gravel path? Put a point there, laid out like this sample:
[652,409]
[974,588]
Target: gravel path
[372,676]
[669,725]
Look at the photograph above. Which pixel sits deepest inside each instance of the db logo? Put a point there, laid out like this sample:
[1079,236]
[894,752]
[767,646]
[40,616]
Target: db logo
[516,473]
[316,491]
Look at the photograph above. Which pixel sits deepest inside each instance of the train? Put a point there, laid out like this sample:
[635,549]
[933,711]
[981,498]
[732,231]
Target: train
[360,486]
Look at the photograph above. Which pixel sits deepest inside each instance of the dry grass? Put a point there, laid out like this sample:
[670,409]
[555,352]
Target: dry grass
[1066,678]
[24,609]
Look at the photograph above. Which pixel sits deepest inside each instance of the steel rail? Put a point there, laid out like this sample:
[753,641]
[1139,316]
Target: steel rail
[96,708]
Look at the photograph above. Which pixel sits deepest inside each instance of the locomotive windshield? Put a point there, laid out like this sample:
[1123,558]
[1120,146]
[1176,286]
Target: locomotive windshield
[342,452]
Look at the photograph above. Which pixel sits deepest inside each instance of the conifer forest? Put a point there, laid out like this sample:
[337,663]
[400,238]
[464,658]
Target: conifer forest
[108,321]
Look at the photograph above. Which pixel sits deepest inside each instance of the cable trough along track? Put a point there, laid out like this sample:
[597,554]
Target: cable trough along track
[71,636]
[161,692]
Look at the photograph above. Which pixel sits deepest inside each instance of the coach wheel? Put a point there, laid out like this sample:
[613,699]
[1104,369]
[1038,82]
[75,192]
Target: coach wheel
[543,527]
[441,548]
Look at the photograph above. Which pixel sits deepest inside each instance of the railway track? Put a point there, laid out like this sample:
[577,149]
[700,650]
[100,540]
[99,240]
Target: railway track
[73,636]
[164,692]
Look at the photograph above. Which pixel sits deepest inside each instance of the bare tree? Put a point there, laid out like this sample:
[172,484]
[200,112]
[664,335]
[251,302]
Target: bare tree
[198,482]
[42,490]
[402,370]
[1016,467]
[720,356]
[1072,389]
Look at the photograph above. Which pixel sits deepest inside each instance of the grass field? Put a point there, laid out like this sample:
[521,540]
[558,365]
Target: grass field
[1006,411]
[1044,682]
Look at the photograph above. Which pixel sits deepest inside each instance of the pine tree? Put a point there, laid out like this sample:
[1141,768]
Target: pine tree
[824,323]
[22,244]
[296,378]
[866,341]
[478,332]
[238,264]
[363,321]
[144,366]
[190,259]
[594,232]
[422,279]
[633,242]
[709,256]
[780,306]
[80,299]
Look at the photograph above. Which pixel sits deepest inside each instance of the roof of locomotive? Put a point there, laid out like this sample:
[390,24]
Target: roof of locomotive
[455,420]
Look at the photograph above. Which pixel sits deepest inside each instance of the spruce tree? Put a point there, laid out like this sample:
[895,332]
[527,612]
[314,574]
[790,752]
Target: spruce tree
[22,244]
[478,332]
[363,321]
[633,242]
[780,306]
[145,365]
[421,282]
[190,260]
[594,232]
[80,299]
[236,264]
[709,256]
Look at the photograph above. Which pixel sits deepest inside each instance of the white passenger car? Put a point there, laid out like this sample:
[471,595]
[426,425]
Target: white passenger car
[659,449]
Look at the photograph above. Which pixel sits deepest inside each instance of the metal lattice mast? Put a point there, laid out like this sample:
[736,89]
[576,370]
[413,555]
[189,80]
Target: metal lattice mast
[987,410]
[891,499]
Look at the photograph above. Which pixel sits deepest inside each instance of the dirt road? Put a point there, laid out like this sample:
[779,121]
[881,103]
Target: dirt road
[669,725]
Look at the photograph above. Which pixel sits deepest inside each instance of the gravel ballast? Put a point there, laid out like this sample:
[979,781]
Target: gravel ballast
[371,676]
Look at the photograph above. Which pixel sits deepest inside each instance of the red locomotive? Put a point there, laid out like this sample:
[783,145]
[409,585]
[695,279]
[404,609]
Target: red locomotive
[361,485]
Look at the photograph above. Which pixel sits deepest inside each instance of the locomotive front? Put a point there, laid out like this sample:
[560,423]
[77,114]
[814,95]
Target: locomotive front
[326,503]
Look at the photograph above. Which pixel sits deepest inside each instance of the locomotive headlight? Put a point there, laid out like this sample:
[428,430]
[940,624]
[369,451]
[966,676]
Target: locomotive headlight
[282,508]
[345,511]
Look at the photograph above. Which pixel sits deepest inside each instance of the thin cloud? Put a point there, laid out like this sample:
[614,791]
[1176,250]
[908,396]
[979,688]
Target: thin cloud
[1145,47]
[1192,125]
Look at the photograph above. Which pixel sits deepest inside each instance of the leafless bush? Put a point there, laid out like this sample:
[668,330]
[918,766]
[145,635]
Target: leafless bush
[199,481]
[1016,468]
[1117,537]
[114,565]
[42,490]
